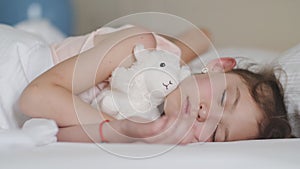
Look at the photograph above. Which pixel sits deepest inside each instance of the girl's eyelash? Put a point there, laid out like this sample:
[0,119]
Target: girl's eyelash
[223,97]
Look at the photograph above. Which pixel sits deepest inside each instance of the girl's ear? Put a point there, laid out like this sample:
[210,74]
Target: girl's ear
[221,64]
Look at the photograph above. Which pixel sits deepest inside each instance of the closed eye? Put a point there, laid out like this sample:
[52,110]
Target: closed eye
[214,134]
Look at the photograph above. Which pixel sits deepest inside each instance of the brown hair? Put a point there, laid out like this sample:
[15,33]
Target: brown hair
[267,92]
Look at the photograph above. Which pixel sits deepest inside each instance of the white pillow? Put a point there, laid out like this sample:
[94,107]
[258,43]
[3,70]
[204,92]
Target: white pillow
[253,54]
[290,63]
[42,28]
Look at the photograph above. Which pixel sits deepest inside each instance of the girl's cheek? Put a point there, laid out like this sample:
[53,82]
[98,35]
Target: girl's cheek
[172,104]
[205,90]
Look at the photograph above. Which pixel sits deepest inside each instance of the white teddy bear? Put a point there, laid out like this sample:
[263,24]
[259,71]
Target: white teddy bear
[140,89]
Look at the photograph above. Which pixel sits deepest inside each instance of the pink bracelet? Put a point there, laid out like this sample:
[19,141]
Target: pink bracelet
[101,132]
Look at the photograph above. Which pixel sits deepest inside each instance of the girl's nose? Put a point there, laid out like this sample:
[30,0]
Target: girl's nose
[202,113]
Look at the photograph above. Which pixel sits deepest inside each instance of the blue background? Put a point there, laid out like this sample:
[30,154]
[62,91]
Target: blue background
[58,12]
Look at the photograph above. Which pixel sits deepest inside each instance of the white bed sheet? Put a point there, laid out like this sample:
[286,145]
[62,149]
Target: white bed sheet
[259,154]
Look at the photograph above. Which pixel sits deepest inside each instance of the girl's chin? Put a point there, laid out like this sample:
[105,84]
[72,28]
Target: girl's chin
[171,111]
[172,107]
[173,103]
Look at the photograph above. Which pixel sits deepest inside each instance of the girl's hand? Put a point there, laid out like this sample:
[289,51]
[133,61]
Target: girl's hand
[175,130]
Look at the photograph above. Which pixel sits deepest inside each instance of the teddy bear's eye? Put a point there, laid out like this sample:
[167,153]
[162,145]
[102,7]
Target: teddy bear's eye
[162,64]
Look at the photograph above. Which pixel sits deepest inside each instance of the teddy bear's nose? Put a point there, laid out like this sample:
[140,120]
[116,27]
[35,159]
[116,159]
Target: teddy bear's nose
[167,85]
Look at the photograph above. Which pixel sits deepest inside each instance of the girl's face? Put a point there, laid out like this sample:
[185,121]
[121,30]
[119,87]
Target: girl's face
[221,104]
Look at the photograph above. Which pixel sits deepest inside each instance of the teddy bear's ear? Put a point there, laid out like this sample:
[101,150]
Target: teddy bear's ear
[138,51]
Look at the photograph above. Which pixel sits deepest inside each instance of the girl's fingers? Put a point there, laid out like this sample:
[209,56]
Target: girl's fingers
[178,130]
[135,129]
[165,130]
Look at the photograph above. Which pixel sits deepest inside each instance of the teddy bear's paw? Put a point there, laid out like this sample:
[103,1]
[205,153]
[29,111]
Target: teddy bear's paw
[108,106]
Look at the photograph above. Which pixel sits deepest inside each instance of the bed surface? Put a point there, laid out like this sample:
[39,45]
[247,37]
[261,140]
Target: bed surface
[275,154]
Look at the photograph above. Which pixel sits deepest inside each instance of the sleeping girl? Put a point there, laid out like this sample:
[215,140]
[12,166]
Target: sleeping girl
[219,104]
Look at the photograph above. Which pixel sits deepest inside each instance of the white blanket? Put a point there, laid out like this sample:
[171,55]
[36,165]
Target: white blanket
[23,57]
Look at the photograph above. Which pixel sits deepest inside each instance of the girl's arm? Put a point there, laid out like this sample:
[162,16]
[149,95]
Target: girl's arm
[53,94]
[192,43]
